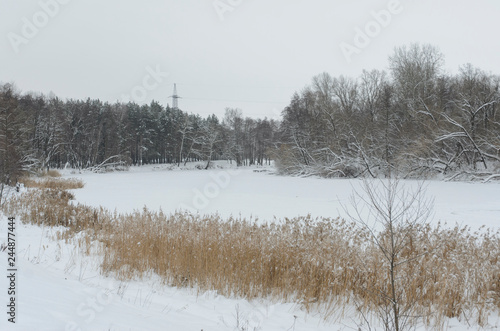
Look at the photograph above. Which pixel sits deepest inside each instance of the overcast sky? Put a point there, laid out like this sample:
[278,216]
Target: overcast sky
[248,54]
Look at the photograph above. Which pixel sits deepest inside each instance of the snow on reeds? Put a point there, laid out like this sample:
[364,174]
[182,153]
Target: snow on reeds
[324,262]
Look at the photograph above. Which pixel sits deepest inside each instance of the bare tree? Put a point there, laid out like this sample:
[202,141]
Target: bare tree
[371,89]
[470,122]
[185,130]
[204,145]
[233,120]
[415,70]
[392,215]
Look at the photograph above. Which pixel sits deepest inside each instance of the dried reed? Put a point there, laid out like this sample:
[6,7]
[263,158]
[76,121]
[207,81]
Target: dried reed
[323,261]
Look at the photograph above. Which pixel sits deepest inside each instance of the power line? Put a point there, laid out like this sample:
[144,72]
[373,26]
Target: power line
[240,86]
[228,100]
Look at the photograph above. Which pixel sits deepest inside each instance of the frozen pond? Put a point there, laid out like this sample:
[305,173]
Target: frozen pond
[260,194]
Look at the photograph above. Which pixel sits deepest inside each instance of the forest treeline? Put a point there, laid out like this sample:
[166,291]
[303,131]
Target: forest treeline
[39,132]
[415,120]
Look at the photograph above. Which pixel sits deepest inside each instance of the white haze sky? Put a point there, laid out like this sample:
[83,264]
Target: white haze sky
[254,59]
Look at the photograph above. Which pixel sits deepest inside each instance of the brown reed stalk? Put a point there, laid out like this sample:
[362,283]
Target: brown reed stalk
[319,262]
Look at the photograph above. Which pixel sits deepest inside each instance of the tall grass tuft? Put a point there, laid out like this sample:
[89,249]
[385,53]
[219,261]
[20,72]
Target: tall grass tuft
[53,183]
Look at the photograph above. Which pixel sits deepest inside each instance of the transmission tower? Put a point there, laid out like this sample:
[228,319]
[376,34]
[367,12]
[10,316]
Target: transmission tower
[175,103]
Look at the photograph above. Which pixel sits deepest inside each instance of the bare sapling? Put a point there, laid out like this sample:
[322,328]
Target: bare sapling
[395,217]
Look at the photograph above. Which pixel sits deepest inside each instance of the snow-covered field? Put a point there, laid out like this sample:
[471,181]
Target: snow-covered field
[59,288]
[257,192]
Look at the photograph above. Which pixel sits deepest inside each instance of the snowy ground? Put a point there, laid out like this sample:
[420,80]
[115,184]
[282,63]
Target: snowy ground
[58,288]
[257,192]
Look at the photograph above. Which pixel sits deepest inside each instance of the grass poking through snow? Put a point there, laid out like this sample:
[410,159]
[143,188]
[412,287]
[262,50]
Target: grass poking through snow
[53,183]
